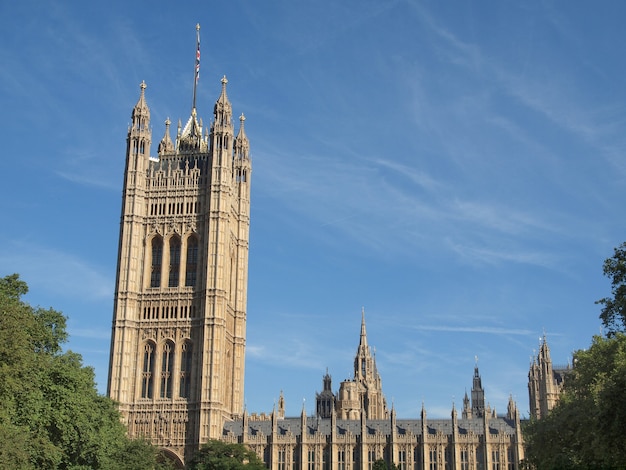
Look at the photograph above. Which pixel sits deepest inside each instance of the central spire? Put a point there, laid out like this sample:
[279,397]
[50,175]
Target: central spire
[363,340]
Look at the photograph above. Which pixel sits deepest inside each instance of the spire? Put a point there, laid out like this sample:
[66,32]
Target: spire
[139,133]
[242,133]
[191,136]
[141,103]
[141,112]
[223,98]
[363,340]
[544,350]
[166,145]
[511,408]
[242,145]
[281,406]
[222,114]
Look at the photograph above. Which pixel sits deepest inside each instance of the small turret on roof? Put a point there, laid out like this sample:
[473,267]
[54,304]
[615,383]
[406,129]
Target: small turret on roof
[166,145]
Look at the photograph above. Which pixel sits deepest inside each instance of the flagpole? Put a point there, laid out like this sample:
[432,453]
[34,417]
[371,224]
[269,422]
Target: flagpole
[196,73]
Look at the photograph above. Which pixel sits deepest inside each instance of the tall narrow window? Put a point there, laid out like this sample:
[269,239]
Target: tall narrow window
[157,259]
[174,261]
[192,261]
[510,456]
[464,459]
[147,376]
[433,458]
[495,458]
[371,458]
[341,460]
[167,367]
[185,370]
[281,459]
[402,460]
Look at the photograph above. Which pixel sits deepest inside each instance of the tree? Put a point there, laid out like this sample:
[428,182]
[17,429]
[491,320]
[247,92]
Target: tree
[217,455]
[51,415]
[380,464]
[613,314]
[586,429]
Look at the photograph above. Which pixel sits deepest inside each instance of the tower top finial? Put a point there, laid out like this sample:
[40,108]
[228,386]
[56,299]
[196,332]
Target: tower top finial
[143,85]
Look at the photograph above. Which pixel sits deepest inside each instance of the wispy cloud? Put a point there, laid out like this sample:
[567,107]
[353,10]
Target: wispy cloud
[90,333]
[490,330]
[288,353]
[491,255]
[89,179]
[55,271]
[407,207]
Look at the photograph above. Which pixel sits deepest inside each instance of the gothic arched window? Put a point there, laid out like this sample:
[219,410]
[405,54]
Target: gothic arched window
[157,260]
[147,375]
[174,261]
[191,269]
[185,369]
[167,368]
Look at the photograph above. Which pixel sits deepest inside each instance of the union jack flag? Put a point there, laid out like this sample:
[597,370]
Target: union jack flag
[198,60]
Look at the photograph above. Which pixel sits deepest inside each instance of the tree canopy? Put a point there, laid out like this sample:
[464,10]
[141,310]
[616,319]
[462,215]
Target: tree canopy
[217,455]
[51,415]
[613,314]
[380,464]
[586,429]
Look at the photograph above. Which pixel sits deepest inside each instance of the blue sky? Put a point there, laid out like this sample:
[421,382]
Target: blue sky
[455,168]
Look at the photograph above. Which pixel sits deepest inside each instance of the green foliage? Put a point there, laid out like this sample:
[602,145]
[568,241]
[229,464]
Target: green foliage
[587,427]
[613,314]
[51,415]
[217,455]
[380,464]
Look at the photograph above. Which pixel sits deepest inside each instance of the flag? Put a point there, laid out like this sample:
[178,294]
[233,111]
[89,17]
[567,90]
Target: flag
[198,59]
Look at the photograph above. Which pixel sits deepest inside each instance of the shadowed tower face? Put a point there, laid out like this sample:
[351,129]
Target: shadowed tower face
[179,322]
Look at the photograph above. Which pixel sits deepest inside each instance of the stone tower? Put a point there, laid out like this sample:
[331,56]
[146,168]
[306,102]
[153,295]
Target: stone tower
[363,394]
[478,395]
[325,401]
[545,382]
[475,408]
[179,321]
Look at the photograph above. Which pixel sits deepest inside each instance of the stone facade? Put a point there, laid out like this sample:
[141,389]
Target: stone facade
[179,322]
[353,428]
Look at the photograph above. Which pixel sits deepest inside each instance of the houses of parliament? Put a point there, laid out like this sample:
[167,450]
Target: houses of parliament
[179,327]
